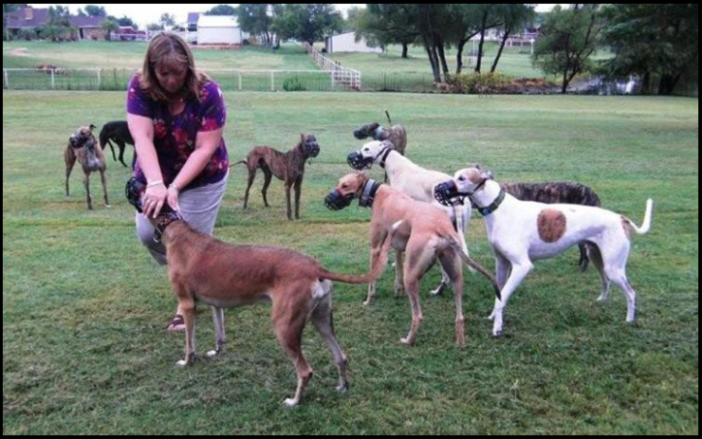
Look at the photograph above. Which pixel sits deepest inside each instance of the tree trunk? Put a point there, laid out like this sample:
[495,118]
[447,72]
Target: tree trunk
[459,57]
[499,52]
[404,50]
[478,64]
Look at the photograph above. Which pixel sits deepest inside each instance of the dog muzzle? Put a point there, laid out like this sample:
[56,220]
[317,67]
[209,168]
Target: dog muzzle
[447,193]
[134,190]
[311,150]
[358,162]
[336,201]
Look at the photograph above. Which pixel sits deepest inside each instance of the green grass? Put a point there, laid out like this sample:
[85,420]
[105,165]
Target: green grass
[84,308]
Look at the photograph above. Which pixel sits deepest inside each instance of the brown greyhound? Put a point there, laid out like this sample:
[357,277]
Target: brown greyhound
[420,230]
[201,268]
[289,167]
[83,147]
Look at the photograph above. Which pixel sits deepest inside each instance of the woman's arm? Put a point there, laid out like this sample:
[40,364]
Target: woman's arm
[206,143]
[142,130]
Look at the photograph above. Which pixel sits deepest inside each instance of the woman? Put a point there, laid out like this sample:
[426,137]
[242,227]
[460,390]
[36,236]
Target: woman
[176,116]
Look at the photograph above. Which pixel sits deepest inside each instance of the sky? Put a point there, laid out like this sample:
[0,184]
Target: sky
[150,13]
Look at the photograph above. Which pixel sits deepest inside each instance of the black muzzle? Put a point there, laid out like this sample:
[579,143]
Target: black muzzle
[336,201]
[447,193]
[358,162]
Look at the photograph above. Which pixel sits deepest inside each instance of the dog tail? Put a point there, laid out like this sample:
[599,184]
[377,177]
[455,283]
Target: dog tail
[456,247]
[237,163]
[367,278]
[646,226]
[388,115]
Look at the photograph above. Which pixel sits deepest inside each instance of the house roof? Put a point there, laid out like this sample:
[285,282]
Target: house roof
[193,17]
[217,21]
[32,18]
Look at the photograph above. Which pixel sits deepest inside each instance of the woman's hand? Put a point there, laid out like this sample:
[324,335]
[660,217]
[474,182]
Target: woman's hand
[172,197]
[154,198]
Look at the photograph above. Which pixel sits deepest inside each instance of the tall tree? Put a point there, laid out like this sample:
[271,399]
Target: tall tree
[256,19]
[653,40]
[569,39]
[222,10]
[513,18]
[307,22]
[385,24]
[95,11]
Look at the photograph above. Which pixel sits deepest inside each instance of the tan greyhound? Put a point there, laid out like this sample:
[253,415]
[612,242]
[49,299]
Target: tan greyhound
[204,269]
[419,232]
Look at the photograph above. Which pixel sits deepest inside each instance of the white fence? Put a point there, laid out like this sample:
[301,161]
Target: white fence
[339,75]
[53,78]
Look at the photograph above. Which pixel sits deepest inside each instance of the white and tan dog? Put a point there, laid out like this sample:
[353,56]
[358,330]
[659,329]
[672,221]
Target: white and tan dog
[414,181]
[521,232]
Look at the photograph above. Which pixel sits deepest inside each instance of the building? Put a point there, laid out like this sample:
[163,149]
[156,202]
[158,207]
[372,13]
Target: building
[346,42]
[218,29]
[33,19]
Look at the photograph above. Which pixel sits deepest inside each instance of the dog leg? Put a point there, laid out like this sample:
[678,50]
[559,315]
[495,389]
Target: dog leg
[451,264]
[103,178]
[596,257]
[323,321]
[121,146]
[218,319]
[519,271]
[399,274]
[287,200]
[268,176]
[252,176]
[503,268]
[298,192]
[288,327]
[70,159]
[86,182]
[188,309]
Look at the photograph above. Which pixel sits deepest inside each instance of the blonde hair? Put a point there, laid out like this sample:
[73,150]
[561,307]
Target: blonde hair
[168,49]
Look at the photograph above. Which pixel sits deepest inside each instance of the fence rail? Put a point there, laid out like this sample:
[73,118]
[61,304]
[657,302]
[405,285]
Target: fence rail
[340,75]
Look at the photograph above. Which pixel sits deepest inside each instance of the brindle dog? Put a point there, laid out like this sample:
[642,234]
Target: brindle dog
[289,167]
[557,193]
[83,147]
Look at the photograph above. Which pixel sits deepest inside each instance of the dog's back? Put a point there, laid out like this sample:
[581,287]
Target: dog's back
[553,193]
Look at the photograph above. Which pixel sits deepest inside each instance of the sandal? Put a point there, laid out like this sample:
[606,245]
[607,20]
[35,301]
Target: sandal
[177,324]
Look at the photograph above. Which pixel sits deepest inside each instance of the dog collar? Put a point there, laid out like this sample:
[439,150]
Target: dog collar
[378,133]
[163,224]
[485,211]
[385,154]
[368,195]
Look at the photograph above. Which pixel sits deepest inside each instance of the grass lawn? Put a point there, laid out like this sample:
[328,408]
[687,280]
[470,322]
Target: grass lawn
[85,308]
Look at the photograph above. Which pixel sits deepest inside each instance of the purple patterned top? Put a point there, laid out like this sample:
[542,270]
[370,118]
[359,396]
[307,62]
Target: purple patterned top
[174,136]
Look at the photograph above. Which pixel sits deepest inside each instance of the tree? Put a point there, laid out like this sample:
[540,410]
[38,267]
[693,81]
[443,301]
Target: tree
[167,20]
[569,39]
[95,11]
[109,25]
[385,24]
[256,19]
[222,10]
[653,40]
[513,17]
[307,22]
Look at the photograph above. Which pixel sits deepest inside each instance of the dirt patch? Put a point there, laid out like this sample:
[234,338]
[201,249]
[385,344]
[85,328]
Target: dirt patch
[20,51]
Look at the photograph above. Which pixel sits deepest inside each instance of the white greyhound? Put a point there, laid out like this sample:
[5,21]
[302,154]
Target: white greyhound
[414,181]
[523,231]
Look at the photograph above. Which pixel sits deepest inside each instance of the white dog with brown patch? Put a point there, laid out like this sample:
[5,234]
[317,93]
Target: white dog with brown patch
[523,231]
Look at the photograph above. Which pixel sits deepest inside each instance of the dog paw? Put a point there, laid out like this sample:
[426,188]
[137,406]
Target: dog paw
[290,402]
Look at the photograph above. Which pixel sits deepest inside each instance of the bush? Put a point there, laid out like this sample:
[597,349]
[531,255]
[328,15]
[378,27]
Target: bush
[293,84]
